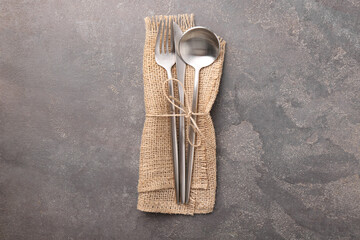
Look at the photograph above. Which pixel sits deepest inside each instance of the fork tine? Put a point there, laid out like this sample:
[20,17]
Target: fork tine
[168,33]
[164,37]
[172,49]
[157,46]
[167,36]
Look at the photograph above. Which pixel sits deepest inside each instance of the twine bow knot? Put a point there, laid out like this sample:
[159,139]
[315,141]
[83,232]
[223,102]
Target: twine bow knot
[185,111]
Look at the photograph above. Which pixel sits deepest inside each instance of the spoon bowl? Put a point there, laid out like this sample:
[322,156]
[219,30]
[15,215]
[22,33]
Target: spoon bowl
[199,47]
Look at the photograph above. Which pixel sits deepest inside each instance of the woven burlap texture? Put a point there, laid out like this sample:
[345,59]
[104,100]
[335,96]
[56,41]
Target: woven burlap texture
[156,182]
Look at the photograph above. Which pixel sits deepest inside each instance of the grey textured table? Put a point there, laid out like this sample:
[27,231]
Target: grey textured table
[287,120]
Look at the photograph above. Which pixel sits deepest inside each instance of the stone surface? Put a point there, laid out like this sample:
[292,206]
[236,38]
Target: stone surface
[287,120]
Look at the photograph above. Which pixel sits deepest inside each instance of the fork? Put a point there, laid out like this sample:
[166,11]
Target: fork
[165,57]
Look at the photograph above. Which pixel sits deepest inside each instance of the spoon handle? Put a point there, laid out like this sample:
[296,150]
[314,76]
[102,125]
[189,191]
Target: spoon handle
[192,137]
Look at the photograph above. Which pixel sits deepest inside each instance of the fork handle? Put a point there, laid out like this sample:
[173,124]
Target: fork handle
[174,139]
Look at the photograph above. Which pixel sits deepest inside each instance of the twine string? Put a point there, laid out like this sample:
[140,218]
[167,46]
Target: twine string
[185,111]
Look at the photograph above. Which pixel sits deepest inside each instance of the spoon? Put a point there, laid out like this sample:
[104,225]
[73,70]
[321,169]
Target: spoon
[198,47]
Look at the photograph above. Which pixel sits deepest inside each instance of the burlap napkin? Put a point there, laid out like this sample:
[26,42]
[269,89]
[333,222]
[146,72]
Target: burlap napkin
[156,182]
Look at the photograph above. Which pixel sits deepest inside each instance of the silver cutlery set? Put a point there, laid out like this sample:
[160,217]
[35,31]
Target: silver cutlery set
[197,47]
